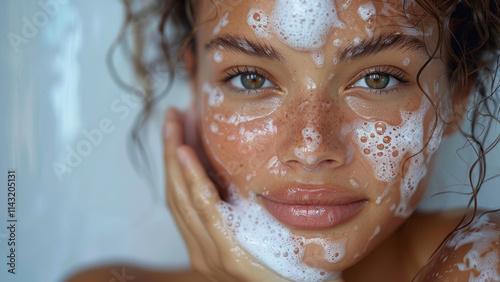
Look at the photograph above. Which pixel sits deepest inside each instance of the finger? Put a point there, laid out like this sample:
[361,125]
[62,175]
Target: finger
[203,192]
[177,198]
[205,199]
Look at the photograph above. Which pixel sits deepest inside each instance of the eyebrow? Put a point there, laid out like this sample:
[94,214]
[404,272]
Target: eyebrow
[383,42]
[245,46]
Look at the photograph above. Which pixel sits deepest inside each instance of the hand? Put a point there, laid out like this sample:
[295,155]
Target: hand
[192,198]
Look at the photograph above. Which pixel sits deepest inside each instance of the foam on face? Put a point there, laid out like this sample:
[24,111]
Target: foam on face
[303,25]
[384,146]
[215,95]
[259,22]
[268,127]
[483,255]
[223,22]
[268,241]
[368,13]
[312,139]
[218,56]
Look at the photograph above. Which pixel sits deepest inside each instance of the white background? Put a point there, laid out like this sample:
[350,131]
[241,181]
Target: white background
[55,86]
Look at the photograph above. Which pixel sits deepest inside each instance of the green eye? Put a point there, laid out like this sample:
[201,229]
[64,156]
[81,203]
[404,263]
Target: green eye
[377,80]
[252,81]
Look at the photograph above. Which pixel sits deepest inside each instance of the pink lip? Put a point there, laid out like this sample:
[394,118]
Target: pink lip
[312,207]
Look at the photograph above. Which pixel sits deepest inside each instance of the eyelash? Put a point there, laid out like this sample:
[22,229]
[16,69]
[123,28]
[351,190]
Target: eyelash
[396,73]
[240,70]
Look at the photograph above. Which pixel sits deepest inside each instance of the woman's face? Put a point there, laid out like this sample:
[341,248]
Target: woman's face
[314,108]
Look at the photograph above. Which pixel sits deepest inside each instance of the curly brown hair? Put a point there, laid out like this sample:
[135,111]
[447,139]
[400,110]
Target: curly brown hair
[469,39]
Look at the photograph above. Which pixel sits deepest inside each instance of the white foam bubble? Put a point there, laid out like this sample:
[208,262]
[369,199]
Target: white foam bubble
[318,58]
[218,56]
[312,139]
[222,22]
[215,95]
[259,23]
[366,11]
[406,62]
[268,127]
[337,42]
[310,83]
[214,128]
[271,243]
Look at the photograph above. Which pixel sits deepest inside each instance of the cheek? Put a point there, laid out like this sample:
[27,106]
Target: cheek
[395,153]
[237,143]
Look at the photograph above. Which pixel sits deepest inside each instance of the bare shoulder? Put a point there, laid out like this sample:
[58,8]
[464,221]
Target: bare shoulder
[115,273]
[469,254]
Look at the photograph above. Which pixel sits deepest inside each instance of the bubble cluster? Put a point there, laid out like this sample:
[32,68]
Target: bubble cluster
[268,241]
[366,11]
[223,22]
[483,256]
[267,127]
[303,25]
[312,139]
[215,95]
[384,146]
[259,22]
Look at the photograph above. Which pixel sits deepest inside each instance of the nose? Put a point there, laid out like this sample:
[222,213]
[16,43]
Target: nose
[313,134]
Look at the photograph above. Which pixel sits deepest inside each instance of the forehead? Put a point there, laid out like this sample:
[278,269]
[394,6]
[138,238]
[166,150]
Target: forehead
[305,25]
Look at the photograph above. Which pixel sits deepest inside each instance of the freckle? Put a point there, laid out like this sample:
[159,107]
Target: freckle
[395,153]
[380,146]
[366,151]
[387,139]
[363,139]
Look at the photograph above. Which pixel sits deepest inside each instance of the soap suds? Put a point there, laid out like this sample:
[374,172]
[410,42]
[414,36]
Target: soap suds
[270,242]
[483,257]
[303,25]
[384,146]
[366,11]
[215,95]
[223,22]
[268,127]
[218,56]
[312,139]
[259,22]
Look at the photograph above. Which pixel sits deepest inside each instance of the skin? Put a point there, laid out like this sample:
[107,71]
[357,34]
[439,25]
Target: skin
[328,107]
[201,161]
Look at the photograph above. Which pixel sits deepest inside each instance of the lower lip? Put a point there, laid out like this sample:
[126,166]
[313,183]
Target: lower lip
[312,216]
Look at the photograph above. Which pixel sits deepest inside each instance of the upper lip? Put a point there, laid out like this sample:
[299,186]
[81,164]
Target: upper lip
[303,194]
